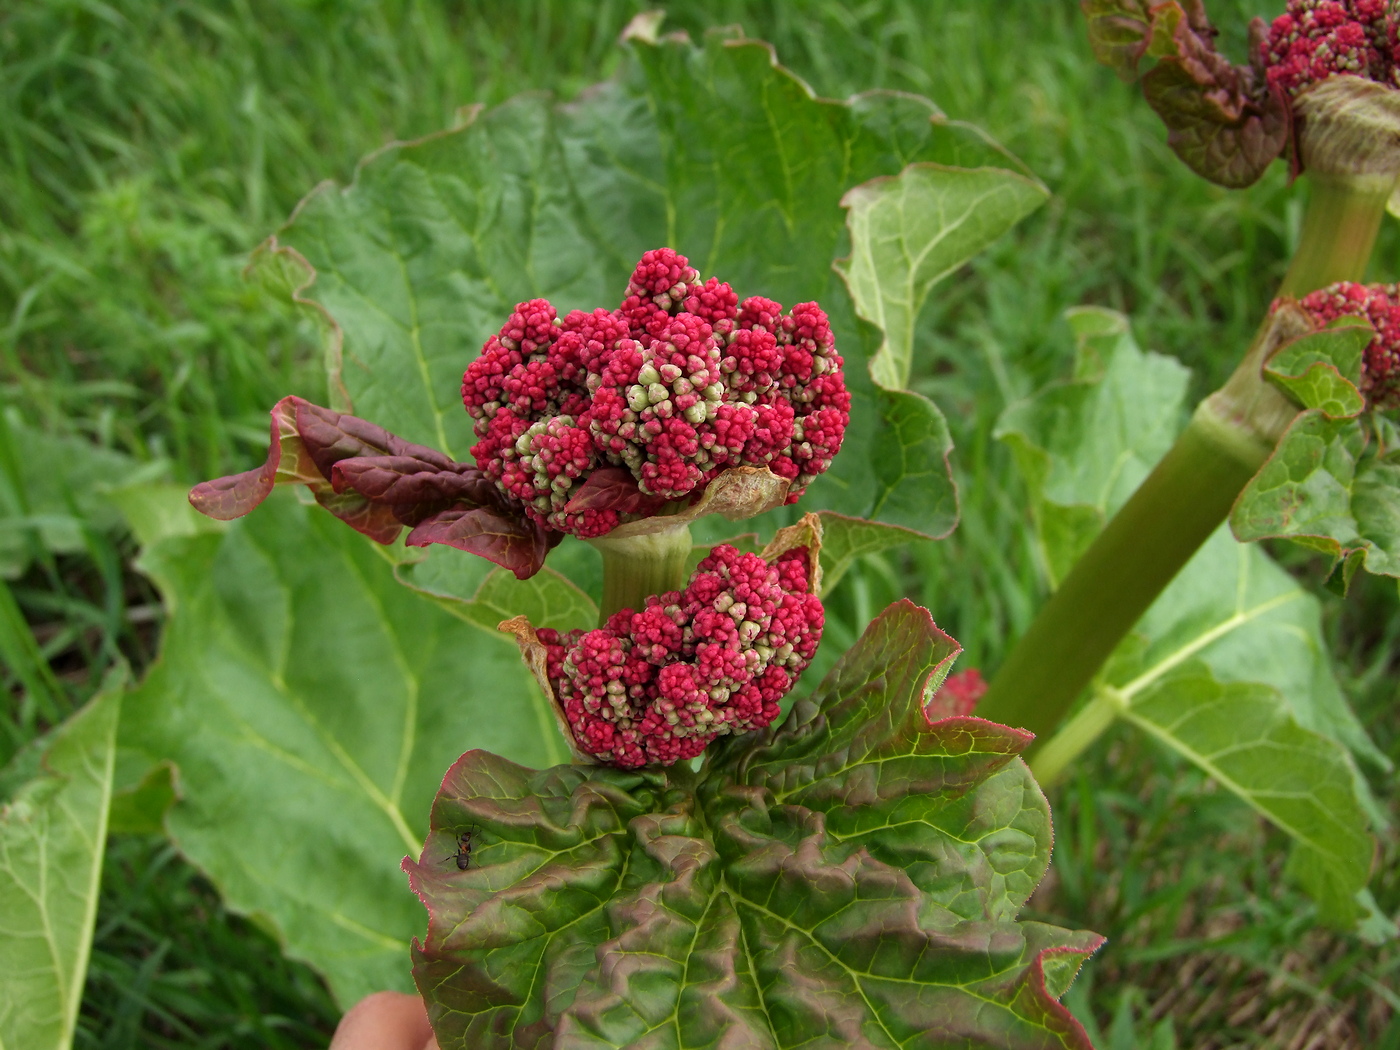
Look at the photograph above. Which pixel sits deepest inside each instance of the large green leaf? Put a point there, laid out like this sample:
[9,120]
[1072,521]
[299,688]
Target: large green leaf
[53,830]
[478,592]
[715,150]
[851,878]
[1332,485]
[1083,445]
[1232,616]
[309,704]
[910,231]
[1243,736]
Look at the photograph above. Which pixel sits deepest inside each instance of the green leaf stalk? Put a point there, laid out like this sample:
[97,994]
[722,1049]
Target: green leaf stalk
[637,566]
[1185,498]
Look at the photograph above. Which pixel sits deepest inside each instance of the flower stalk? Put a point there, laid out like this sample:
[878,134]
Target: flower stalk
[637,566]
[1186,497]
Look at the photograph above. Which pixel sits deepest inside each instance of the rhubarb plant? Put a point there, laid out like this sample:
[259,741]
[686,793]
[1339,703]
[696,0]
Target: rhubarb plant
[569,347]
[542,413]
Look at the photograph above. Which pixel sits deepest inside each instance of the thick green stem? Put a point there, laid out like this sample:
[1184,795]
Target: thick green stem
[1089,723]
[1186,497]
[1339,231]
[636,567]
[1165,521]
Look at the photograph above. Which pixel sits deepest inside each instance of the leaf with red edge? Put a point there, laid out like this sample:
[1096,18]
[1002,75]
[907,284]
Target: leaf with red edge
[376,483]
[851,878]
[1222,120]
[1120,32]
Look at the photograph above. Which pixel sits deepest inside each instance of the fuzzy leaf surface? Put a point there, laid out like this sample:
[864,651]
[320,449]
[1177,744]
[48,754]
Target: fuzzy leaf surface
[53,830]
[302,689]
[1332,486]
[1231,612]
[850,879]
[715,150]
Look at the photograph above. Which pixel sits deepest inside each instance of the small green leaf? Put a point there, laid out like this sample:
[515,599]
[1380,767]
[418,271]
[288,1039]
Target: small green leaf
[53,831]
[473,590]
[1322,370]
[1241,734]
[302,689]
[1330,489]
[846,539]
[853,878]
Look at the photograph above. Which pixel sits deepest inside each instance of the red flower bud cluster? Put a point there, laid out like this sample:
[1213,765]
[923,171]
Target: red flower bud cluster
[656,686]
[1317,39]
[1379,304]
[681,382]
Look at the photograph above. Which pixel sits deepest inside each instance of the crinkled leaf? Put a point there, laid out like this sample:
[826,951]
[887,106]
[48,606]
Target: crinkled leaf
[53,830]
[377,483]
[1322,370]
[1222,120]
[715,150]
[908,232]
[850,880]
[1084,444]
[1120,32]
[1242,735]
[1231,610]
[302,689]
[1331,488]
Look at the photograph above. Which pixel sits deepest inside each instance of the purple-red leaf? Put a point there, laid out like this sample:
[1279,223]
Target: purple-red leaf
[511,541]
[613,488]
[376,483]
[1222,120]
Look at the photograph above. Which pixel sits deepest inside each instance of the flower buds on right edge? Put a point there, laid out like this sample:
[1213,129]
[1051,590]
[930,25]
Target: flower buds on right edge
[655,686]
[1320,86]
[1380,305]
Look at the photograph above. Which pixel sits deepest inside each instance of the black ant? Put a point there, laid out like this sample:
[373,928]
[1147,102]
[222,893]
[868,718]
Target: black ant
[463,856]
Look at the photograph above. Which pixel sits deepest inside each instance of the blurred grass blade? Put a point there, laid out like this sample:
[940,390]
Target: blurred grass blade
[52,834]
[22,658]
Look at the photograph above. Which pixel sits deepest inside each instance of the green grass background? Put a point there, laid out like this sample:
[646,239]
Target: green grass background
[147,145]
